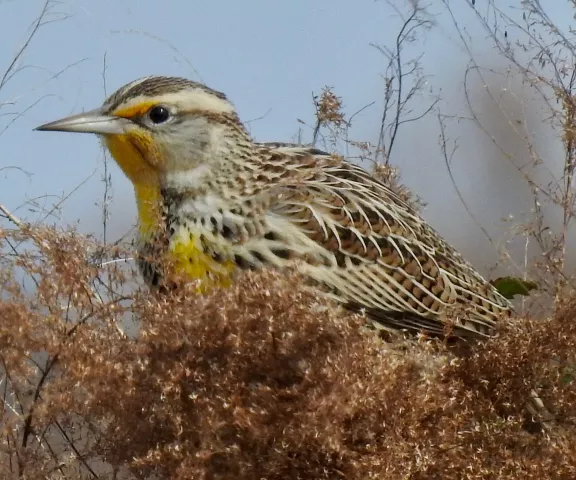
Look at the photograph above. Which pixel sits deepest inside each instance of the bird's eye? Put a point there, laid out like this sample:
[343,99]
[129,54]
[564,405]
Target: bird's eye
[158,114]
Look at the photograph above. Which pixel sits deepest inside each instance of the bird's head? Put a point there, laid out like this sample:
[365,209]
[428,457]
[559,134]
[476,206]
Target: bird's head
[160,126]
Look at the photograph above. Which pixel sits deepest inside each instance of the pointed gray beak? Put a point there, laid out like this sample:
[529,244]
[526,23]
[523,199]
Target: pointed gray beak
[93,121]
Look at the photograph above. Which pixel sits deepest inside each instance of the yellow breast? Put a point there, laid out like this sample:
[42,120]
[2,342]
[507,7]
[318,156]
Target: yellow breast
[190,258]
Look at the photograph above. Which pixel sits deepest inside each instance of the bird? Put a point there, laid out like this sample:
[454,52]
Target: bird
[212,202]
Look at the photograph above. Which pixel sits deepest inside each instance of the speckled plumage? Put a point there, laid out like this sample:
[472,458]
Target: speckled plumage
[225,202]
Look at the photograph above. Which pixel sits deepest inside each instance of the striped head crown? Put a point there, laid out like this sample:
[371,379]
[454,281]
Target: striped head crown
[160,125]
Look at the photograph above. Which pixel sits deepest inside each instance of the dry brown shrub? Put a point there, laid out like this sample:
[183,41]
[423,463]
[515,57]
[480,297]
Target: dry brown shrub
[262,380]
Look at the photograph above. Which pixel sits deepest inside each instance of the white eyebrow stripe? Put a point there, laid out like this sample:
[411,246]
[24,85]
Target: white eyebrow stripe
[183,100]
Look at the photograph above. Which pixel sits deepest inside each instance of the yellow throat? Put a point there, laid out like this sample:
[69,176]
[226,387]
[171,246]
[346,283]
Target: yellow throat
[186,253]
[144,178]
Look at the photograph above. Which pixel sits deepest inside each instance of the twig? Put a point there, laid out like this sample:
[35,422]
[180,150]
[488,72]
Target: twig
[10,216]
[37,24]
[107,177]
[398,71]
[51,363]
[447,161]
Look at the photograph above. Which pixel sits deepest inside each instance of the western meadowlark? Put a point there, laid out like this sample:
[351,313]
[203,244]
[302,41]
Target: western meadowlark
[211,200]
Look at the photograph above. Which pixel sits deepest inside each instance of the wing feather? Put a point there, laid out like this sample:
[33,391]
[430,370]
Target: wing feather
[384,257]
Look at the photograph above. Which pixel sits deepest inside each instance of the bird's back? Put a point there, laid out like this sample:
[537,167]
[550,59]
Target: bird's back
[350,234]
[378,254]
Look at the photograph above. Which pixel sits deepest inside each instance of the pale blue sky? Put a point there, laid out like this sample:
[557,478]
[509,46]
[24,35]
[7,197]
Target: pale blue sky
[267,56]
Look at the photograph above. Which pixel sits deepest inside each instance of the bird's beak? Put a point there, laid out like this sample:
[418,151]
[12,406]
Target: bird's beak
[94,121]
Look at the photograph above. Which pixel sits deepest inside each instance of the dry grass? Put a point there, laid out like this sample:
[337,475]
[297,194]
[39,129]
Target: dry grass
[263,380]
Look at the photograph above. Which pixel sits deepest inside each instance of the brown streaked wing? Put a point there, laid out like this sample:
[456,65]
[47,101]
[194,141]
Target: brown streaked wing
[386,258]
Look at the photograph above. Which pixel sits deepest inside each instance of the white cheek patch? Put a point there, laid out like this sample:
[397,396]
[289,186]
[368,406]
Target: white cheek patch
[192,178]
